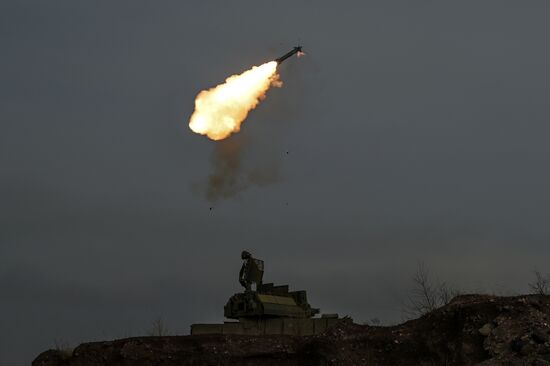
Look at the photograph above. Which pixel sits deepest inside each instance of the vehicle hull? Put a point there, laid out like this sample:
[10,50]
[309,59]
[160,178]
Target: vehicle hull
[285,326]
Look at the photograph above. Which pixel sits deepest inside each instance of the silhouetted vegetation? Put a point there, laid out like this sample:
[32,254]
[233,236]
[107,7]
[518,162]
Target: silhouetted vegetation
[158,328]
[541,284]
[427,294]
[64,348]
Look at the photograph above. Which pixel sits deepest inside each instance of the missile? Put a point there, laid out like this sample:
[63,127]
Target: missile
[287,55]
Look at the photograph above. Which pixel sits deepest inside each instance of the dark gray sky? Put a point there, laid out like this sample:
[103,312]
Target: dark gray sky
[415,131]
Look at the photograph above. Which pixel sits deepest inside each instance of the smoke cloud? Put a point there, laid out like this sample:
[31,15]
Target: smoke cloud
[232,173]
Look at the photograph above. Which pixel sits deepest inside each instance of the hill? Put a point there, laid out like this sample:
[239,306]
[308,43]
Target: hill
[471,330]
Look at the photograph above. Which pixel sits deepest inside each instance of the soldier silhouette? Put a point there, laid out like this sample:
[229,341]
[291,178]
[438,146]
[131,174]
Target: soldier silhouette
[252,272]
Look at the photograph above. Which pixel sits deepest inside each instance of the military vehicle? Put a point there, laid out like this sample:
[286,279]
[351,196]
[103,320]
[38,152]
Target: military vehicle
[266,308]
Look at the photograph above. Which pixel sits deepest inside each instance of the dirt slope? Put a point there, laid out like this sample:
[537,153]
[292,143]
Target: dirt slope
[471,330]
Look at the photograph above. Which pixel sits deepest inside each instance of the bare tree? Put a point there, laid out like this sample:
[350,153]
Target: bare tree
[446,293]
[541,284]
[426,295]
[158,329]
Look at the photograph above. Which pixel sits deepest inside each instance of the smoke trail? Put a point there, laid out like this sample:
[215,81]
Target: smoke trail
[231,174]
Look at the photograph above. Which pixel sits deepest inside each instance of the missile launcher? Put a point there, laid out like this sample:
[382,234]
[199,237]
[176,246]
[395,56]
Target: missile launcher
[266,308]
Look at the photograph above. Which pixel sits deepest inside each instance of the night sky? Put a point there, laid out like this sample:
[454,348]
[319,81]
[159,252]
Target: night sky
[411,131]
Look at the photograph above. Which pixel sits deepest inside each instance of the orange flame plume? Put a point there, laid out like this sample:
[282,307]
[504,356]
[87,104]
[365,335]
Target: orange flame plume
[220,111]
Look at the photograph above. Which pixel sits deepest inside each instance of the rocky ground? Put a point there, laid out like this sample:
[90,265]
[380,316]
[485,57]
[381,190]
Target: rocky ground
[471,330]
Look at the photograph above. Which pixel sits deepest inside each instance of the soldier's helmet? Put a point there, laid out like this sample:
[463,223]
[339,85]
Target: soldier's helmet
[245,255]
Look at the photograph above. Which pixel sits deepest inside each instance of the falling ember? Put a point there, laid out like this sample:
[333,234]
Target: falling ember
[220,111]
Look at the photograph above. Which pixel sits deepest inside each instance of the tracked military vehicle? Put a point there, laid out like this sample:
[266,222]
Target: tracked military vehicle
[266,308]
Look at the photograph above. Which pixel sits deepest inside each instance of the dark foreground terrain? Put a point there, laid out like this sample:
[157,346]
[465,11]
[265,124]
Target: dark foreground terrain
[471,330]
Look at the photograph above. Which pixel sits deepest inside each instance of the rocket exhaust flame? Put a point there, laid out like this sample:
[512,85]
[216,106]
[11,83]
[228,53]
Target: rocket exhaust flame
[220,111]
